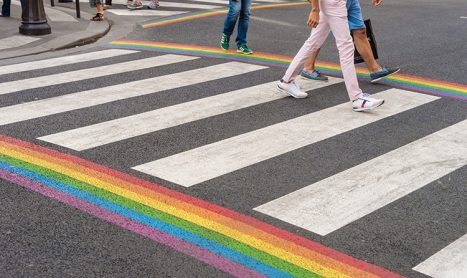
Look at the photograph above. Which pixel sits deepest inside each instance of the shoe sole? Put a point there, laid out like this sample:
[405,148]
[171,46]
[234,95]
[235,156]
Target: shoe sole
[280,90]
[379,78]
[367,109]
[309,78]
[239,51]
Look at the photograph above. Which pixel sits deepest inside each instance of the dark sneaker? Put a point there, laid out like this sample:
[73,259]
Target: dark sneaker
[244,49]
[385,72]
[314,75]
[225,42]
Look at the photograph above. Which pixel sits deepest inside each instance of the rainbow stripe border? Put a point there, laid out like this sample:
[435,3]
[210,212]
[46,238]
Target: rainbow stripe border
[203,14]
[229,241]
[403,81]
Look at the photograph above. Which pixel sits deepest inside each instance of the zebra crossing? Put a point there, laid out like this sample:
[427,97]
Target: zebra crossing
[176,7]
[255,156]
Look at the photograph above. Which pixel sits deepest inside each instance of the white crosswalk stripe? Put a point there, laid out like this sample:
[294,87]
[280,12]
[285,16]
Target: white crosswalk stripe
[451,262]
[128,127]
[50,106]
[332,203]
[65,60]
[145,12]
[322,207]
[188,5]
[210,161]
[60,78]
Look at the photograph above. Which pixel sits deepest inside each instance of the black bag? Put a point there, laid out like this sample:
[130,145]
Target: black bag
[371,38]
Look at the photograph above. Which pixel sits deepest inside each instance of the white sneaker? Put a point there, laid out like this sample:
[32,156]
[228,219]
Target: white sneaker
[292,89]
[154,4]
[135,6]
[366,102]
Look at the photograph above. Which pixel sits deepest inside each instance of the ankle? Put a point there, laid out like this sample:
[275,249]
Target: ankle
[376,69]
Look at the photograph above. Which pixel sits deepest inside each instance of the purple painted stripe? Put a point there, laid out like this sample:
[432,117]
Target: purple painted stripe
[182,246]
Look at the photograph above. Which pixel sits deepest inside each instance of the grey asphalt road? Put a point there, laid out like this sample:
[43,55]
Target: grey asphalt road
[44,238]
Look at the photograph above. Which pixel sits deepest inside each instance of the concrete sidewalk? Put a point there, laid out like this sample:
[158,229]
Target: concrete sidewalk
[67,30]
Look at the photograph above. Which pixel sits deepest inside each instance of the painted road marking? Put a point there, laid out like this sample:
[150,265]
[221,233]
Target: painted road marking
[112,131]
[223,238]
[401,81]
[449,262]
[227,3]
[145,12]
[334,202]
[188,5]
[78,75]
[16,41]
[66,60]
[213,160]
[50,106]
[272,21]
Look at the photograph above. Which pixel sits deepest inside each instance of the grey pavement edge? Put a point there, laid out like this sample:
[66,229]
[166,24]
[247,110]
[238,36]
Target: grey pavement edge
[64,34]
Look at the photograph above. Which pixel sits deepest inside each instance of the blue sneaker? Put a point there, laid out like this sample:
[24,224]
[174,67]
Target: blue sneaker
[385,72]
[314,75]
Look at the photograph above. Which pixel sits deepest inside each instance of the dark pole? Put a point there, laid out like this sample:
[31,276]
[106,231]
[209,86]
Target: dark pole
[78,13]
[34,20]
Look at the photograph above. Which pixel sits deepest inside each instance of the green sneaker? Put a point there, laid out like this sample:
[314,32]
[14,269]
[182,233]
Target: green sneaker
[225,42]
[244,49]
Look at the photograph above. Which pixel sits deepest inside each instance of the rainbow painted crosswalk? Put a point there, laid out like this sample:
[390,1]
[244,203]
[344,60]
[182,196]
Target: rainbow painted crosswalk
[234,243]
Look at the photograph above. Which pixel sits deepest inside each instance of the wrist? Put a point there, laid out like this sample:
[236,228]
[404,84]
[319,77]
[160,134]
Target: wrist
[315,10]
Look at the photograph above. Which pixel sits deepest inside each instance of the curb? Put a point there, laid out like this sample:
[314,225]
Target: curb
[93,32]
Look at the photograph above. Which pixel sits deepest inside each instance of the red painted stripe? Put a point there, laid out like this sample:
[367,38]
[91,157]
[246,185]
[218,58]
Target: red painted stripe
[212,207]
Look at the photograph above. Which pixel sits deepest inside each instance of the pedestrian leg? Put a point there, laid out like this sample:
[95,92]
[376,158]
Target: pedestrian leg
[312,44]
[341,32]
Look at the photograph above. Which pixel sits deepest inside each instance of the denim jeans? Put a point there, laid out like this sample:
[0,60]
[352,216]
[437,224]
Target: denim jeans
[240,8]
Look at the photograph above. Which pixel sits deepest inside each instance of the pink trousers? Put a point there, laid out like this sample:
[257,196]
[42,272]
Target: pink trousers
[333,17]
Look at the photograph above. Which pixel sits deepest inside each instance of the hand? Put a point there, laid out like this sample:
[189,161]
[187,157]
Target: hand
[313,19]
[377,2]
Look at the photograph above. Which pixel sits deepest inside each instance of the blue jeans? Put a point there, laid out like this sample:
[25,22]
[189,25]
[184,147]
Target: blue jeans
[6,7]
[240,8]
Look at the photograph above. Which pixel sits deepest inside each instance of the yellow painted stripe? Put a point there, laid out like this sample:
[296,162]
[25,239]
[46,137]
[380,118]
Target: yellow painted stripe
[241,237]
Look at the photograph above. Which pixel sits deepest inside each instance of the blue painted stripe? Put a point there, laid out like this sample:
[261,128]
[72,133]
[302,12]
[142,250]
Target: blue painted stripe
[149,221]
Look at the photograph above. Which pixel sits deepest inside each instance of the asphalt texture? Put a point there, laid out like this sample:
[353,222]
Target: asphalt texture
[44,238]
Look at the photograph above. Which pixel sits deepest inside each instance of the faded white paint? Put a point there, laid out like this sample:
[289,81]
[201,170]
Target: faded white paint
[78,75]
[128,127]
[50,106]
[65,60]
[219,158]
[334,202]
[450,262]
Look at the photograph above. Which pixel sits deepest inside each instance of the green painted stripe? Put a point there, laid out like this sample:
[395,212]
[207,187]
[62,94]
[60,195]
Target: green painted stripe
[173,220]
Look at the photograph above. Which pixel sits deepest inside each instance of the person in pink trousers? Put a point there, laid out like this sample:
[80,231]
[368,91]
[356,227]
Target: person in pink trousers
[326,16]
